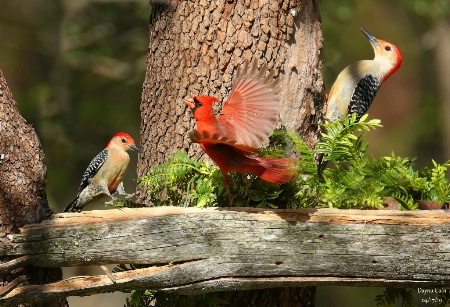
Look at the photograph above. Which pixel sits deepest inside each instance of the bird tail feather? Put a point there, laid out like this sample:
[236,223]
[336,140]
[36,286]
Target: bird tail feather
[321,164]
[277,170]
[72,207]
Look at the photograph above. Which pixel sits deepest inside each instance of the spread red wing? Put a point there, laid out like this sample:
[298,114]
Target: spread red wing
[250,113]
[206,137]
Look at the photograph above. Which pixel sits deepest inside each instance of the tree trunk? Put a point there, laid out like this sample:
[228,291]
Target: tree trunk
[195,47]
[22,186]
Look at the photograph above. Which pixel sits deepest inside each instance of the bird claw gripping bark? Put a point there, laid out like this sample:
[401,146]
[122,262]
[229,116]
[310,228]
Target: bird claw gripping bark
[119,194]
[121,191]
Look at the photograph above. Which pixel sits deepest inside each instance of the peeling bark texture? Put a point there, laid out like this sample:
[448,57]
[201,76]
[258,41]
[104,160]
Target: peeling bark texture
[22,183]
[22,169]
[195,48]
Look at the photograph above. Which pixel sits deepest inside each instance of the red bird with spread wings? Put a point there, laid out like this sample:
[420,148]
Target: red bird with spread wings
[234,138]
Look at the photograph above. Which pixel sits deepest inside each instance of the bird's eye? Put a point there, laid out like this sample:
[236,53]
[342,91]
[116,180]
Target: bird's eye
[123,140]
[197,102]
[387,48]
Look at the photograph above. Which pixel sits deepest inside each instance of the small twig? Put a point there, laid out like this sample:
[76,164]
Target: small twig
[10,286]
[108,272]
[13,264]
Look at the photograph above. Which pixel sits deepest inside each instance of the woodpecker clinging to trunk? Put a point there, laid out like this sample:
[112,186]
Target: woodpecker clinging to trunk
[356,86]
[104,174]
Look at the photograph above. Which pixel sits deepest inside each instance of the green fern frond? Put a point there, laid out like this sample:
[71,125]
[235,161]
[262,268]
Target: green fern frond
[184,181]
[171,183]
[305,188]
[340,143]
[306,163]
[204,194]
[390,296]
[406,201]
[353,181]
[278,147]
[439,187]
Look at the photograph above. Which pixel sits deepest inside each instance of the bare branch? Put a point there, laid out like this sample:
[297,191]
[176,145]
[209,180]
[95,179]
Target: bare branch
[197,251]
[15,263]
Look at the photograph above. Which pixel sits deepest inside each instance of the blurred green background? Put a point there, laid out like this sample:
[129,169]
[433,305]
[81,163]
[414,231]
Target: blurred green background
[76,68]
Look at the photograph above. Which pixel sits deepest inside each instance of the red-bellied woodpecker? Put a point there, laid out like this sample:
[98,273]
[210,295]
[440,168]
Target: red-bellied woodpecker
[356,86]
[104,174]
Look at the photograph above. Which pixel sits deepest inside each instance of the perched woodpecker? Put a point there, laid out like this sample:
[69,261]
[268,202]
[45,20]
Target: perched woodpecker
[104,174]
[356,86]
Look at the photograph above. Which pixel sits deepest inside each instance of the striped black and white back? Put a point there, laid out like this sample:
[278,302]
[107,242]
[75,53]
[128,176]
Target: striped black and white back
[93,168]
[365,92]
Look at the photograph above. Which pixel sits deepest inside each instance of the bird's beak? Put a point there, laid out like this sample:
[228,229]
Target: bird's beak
[190,102]
[373,41]
[134,147]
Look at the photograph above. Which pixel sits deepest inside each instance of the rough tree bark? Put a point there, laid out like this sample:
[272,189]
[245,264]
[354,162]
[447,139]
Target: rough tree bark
[22,187]
[195,47]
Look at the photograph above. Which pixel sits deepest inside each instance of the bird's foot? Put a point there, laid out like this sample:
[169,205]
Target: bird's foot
[111,202]
[121,192]
[115,204]
[230,197]
[246,181]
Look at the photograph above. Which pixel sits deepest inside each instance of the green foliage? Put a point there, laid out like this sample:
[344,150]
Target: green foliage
[191,182]
[348,183]
[280,144]
[306,185]
[438,188]
[341,144]
[357,181]
[390,296]
[145,298]
[141,298]
[352,181]
[181,180]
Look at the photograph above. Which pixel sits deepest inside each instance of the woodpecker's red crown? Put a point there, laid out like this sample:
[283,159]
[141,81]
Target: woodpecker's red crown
[392,53]
[387,54]
[123,140]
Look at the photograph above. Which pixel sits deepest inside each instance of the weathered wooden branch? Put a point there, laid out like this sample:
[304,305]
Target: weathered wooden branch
[216,249]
